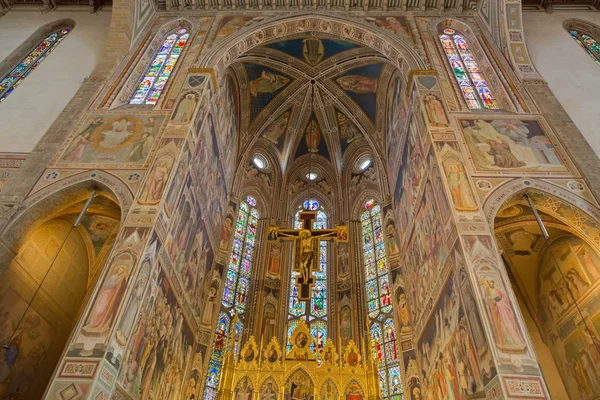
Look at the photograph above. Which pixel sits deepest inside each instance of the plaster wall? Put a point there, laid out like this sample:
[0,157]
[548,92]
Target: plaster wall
[29,111]
[571,75]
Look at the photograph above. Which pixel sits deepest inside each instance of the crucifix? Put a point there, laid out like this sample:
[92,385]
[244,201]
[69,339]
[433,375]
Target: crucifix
[306,248]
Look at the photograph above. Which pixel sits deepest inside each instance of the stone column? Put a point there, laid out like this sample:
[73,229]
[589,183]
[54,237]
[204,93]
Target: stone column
[468,332]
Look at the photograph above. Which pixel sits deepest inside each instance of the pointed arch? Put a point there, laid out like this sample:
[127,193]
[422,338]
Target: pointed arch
[587,35]
[21,62]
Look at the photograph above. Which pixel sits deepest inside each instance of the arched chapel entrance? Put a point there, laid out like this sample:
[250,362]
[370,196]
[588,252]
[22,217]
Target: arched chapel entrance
[54,272]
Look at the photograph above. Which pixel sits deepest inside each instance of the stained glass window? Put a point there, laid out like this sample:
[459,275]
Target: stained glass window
[588,43]
[314,312]
[237,283]
[311,205]
[160,68]
[379,302]
[472,84]
[29,63]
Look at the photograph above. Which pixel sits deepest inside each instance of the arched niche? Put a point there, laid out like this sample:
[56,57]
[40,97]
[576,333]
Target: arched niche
[553,279]
[44,287]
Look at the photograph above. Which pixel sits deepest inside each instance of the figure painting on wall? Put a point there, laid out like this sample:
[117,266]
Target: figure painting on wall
[506,327]
[25,338]
[460,188]
[267,83]
[157,180]
[185,109]
[299,387]
[358,84]
[392,239]
[396,25]
[345,325]
[395,128]
[435,111]
[275,259]
[107,139]
[498,145]
[313,136]
[354,392]
[347,131]
[403,314]
[231,25]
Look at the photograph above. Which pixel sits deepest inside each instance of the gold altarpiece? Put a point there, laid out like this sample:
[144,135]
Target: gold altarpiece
[264,372]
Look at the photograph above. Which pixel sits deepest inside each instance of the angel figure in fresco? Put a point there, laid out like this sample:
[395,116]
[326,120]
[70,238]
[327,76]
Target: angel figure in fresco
[503,316]
[82,140]
[358,84]
[435,111]
[267,83]
[313,137]
[118,134]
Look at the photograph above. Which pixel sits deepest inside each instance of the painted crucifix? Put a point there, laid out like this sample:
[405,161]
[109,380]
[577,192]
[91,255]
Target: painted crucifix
[306,248]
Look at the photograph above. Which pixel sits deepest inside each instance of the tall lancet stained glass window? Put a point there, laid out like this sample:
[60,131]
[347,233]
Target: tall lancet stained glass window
[22,70]
[314,312]
[588,43]
[472,84]
[379,302]
[160,69]
[237,284]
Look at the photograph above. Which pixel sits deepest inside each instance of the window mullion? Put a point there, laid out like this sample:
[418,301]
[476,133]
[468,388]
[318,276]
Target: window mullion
[468,73]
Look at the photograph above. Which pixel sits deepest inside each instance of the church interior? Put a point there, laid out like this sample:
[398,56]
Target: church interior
[299,199]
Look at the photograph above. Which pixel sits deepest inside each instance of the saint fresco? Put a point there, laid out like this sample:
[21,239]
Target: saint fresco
[264,84]
[110,139]
[505,145]
[361,85]
[275,132]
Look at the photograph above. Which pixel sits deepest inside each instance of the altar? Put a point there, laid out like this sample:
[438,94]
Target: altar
[304,372]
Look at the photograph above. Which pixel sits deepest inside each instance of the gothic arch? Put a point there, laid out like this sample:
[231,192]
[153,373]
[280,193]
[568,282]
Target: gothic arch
[31,42]
[583,25]
[394,48]
[512,189]
[497,82]
[359,204]
[130,73]
[49,201]
[303,371]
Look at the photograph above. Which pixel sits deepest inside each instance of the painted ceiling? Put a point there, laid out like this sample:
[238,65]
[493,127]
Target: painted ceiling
[312,95]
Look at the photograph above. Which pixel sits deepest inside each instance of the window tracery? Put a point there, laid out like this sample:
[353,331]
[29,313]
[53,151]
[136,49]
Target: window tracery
[588,43]
[22,70]
[160,69]
[379,302]
[237,283]
[314,311]
[472,84]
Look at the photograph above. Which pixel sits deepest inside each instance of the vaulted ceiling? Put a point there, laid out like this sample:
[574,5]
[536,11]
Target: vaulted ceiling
[312,95]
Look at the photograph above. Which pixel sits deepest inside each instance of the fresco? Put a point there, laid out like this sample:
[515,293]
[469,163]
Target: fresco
[457,177]
[184,111]
[507,145]
[579,264]
[269,390]
[208,174]
[25,338]
[190,250]
[312,50]
[227,114]
[434,108]
[177,182]
[395,25]
[276,131]
[162,347]
[395,128]
[312,141]
[445,351]
[361,85]
[159,172]
[109,139]
[348,132]
[99,228]
[230,25]
[264,84]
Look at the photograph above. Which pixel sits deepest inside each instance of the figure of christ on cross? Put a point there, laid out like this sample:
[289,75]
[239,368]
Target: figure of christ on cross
[306,247]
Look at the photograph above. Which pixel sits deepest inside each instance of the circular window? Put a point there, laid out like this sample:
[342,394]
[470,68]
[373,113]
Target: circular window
[311,176]
[364,164]
[311,205]
[260,162]
[449,31]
